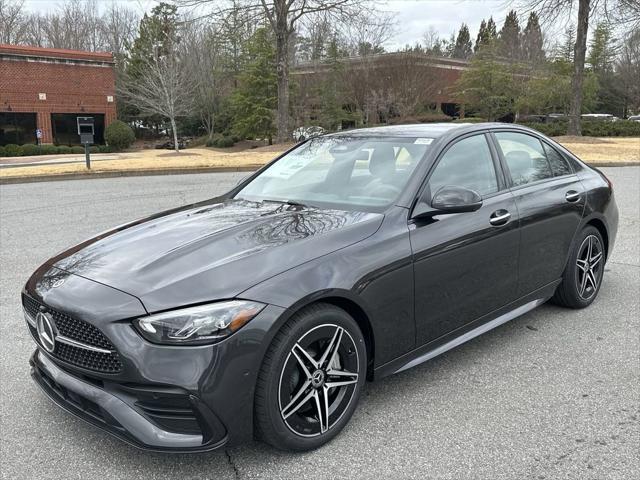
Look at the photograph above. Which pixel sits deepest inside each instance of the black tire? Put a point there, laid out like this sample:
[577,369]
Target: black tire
[568,294]
[282,377]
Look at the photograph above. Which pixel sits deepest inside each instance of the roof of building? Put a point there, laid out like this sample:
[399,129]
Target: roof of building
[28,51]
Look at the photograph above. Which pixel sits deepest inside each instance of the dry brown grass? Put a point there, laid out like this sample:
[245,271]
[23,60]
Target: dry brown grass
[610,150]
[603,150]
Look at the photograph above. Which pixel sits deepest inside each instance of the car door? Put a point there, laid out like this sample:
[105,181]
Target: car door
[465,264]
[550,200]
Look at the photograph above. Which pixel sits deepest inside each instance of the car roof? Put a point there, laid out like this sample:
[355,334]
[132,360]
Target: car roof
[428,130]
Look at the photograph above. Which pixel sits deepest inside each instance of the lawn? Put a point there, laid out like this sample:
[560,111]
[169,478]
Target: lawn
[592,150]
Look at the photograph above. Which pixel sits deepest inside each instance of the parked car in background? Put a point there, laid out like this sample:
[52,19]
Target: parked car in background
[353,256]
[634,118]
[301,134]
[604,117]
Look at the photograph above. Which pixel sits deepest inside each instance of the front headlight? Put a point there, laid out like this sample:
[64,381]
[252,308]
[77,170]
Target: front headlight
[198,325]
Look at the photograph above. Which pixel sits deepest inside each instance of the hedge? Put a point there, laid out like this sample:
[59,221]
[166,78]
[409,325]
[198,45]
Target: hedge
[590,128]
[30,149]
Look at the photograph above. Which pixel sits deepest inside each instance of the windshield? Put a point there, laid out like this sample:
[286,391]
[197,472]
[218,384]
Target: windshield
[351,173]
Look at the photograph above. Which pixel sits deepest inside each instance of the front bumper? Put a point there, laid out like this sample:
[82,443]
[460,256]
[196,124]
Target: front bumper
[166,398]
[93,403]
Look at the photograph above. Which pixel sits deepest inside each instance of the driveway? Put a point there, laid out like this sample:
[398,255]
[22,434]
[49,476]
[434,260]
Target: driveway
[552,394]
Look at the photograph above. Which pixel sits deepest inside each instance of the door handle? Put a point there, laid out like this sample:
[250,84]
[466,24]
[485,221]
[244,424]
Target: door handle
[499,218]
[572,196]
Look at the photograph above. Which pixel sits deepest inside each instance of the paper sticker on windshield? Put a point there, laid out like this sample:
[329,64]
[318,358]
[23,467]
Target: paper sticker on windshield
[287,167]
[423,141]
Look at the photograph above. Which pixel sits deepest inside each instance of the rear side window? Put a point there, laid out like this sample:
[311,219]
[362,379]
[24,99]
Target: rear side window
[468,163]
[559,164]
[525,157]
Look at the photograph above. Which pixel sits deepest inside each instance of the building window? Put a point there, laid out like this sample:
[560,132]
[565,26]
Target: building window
[18,128]
[65,128]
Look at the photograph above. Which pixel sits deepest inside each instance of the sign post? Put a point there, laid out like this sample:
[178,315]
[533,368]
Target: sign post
[85,130]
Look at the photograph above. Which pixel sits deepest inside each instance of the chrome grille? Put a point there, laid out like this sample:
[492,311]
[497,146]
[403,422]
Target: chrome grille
[81,332]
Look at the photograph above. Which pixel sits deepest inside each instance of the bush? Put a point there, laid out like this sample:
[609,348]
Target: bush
[470,120]
[13,150]
[94,149]
[224,142]
[590,128]
[552,129]
[64,149]
[105,149]
[77,149]
[2,154]
[48,149]
[31,149]
[119,135]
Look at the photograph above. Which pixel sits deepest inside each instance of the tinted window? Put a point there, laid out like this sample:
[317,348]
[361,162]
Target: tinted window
[525,157]
[467,164]
[559,164]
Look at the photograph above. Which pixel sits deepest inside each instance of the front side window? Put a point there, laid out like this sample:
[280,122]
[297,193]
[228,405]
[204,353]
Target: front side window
[525,157]
[468,164]
[351,173]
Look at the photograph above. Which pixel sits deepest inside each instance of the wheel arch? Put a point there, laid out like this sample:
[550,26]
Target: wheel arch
[345,301]
[602,228]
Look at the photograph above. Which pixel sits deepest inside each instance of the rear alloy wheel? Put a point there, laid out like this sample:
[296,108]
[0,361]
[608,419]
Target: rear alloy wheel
[311,379]
[583,275]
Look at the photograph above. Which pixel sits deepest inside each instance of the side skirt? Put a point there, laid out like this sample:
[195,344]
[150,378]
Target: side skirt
[468,332]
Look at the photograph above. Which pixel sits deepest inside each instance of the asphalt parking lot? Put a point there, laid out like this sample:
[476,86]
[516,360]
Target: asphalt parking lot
[553,394]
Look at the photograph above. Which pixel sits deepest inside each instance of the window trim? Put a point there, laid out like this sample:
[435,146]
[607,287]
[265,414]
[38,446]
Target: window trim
[499,173]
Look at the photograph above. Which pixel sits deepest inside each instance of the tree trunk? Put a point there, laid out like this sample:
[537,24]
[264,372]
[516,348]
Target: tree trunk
[282,72]
[175,135]
[577,81]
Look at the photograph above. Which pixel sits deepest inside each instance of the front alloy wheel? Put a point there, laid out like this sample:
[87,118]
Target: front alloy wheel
[311,378]
[318,380]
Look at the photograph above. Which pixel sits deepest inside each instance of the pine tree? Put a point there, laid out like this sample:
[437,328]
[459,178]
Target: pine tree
[532,42]
[157,37]
[564,50]
[601,49]
[254,102]
[492,31]
[463,47]
[509,38]
[483,36]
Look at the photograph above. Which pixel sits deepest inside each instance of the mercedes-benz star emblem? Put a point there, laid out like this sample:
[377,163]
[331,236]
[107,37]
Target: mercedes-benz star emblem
[46,331]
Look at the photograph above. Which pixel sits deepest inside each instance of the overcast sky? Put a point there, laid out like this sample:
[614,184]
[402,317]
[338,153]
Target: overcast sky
[414,17]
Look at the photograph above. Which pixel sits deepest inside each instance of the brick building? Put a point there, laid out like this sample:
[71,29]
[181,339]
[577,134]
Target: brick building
[47,89]
[380,88]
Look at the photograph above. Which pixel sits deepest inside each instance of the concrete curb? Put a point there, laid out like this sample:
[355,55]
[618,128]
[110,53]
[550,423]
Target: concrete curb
[185,171]
[122,173]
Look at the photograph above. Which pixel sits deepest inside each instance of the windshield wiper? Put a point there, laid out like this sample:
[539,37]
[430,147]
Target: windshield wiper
[290,202]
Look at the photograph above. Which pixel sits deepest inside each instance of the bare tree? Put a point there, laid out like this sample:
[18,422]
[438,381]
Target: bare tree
[118,27]
[203,58]
[283,17]
[165,89]
[13,25]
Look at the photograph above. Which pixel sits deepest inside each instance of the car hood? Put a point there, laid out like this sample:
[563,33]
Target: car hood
[212,250]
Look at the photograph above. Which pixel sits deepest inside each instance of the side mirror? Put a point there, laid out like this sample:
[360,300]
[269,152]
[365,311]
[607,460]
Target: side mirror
[449,199]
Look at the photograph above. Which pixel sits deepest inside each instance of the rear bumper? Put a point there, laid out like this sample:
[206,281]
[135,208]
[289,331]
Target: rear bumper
[119,415]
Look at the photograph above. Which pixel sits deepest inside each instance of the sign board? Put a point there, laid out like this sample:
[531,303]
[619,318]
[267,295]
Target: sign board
[86,138]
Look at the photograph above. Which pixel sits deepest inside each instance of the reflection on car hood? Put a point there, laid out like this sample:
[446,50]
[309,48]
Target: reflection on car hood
[212,250]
